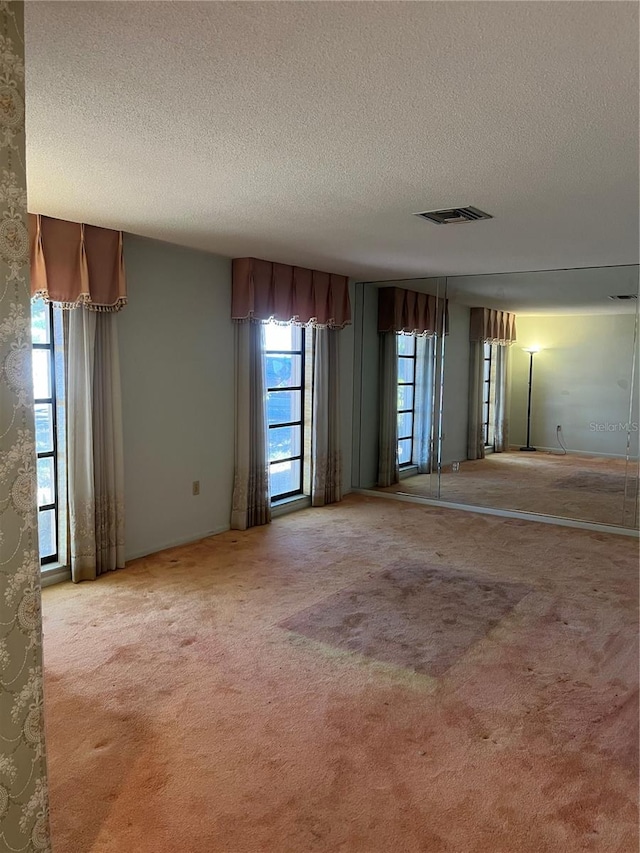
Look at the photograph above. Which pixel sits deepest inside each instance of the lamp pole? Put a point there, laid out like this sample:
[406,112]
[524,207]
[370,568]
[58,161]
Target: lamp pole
[531,354]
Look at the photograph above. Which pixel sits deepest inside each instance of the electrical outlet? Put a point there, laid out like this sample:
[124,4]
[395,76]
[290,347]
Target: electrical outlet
[195,488]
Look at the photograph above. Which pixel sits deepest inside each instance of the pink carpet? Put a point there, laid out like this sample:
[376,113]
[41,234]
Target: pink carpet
[204,701]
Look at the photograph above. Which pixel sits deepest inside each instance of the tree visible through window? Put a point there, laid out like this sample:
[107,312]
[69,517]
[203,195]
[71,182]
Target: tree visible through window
[44,388]
[406,397]
[285,370]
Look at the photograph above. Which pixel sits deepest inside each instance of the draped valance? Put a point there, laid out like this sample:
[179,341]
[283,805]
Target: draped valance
[263,290]
[408,311]
[491,326]
[76,265]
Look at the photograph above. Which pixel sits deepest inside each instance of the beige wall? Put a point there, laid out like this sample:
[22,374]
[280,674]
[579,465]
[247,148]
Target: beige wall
[582,381]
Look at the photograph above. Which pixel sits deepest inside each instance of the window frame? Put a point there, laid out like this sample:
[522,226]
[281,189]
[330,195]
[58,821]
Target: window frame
[488,365]
[300,424]
[53,453]
[412,410]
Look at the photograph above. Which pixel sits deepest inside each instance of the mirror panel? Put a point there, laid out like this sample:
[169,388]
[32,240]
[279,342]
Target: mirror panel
[581,415]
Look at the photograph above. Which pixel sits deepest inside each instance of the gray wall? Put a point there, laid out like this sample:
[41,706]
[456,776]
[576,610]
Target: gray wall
[455,403]
[176,350]
[346,397]
[365,396]
[177,364]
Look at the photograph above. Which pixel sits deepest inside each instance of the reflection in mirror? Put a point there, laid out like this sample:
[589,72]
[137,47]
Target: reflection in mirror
[398,333]
[535,401]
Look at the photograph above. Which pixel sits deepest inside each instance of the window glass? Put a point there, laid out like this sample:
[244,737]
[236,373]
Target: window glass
[44,390]
[406,396]
[285,370]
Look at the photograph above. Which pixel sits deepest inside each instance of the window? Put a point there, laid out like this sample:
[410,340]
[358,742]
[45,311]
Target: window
[406,397]
[488,399]
[45,331]
[285,370]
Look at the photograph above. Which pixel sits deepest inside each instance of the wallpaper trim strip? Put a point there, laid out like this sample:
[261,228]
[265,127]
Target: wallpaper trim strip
[24,818]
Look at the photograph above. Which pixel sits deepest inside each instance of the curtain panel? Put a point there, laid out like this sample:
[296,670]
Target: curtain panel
[424,400]
[76,265]
[492,327]
[388,468]
[94,445]
[326,458]
[501,428]
[401,310]
[263,290]
[251,500]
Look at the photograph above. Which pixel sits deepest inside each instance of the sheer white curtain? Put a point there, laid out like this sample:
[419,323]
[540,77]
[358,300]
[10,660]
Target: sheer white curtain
[326,461]
[423,403]
[388,470]
[94,445]
[251,499]
[475,437]
[501,426]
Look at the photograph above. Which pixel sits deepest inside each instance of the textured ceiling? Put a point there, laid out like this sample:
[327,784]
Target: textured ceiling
[310,132]
[576,291]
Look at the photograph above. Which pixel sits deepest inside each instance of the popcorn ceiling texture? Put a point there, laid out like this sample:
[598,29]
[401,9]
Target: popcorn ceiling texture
[308,133]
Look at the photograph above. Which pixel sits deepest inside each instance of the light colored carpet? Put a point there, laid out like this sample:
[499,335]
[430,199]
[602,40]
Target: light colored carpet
[572,486]
[183,716]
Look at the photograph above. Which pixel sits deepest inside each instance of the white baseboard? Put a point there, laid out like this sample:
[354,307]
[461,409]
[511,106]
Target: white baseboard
[505,513]
[557,451]
[60,574]
[174,543]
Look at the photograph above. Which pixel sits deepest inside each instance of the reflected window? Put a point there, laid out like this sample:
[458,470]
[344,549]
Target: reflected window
[406,397]
[285,379]
[488,399]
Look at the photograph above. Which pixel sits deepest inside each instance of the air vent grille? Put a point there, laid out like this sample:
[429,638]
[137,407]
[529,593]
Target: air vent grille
[454,215]
[625,296]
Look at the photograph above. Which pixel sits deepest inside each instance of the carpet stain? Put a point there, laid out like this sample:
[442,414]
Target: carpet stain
[410,615]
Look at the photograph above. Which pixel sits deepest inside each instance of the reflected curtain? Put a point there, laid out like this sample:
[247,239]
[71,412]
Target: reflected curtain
[251,501]
[475,436]
[94,445]
[501,426]
[411,312]
[326,461]
[424,398]
[388,469]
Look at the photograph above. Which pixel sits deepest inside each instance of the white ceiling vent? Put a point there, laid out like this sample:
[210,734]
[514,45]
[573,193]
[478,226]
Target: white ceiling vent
[625,296]
[454,215]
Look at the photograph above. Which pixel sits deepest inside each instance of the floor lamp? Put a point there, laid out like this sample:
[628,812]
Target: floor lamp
[531,351]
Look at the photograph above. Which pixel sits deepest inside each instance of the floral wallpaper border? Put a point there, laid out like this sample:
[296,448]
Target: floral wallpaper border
[24,818]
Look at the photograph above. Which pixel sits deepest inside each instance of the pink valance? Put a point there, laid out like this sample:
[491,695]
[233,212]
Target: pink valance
[76,265]
[408,311]
[491,326]
[263,290]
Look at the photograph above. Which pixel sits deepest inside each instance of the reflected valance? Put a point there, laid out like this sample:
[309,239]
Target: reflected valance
[408,311]
[491,326]
[76,265]
[263,290]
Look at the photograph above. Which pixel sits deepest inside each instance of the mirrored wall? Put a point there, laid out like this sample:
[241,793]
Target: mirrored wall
[541,417]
